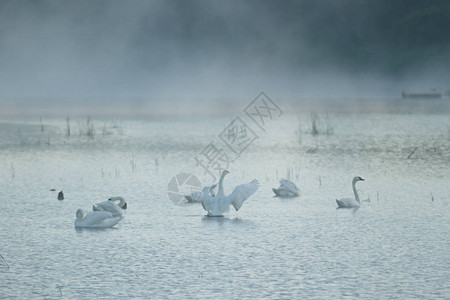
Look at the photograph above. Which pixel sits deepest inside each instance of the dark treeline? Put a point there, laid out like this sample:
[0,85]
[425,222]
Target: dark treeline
[388,35]
[391,36]
[61,47]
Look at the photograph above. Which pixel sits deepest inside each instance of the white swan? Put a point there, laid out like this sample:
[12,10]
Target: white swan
[110,206]
[287,189]
[351,202]
[217,205]
[196,197]
[96,219]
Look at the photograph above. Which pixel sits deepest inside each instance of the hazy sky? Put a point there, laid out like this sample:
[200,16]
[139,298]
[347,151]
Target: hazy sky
[156,50]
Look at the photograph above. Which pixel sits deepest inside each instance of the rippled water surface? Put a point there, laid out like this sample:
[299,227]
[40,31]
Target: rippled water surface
[395,246]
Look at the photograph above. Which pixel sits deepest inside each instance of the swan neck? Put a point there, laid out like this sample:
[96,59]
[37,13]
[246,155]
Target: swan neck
[121,201]
[355,191]
[80,214]
[220,190]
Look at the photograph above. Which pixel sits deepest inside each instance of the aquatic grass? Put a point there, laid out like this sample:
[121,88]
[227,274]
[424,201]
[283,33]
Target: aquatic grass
[318,125]
[288,173]
[133,164]
[156,164]
[314,123]
[42,124]
[67,126]
[313,149]
[328,128]
[411,153]
[4,262]
[105,131]
[112,125]
[292,173]
[87,128]
[90,127]
[59,288]
[13,171]
[117,126]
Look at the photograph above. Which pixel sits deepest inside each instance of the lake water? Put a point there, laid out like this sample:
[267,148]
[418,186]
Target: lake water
[396,246]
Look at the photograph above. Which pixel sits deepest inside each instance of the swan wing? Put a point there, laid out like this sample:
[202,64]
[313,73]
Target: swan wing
[288,186]
[347,202]
[109,222]
[194,197]
[108,206]
[101,206]
[98,219]
[207,202]
[241,193]
[282,193]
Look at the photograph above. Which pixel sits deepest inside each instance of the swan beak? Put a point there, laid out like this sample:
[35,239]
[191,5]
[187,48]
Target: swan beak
[124,206]
[109,199]
[362,179]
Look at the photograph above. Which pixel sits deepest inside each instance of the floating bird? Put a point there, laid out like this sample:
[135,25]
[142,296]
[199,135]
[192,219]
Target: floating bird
[218,204]
[61,195]
[110,206]
[96,219]
[351,202]
[287,189]
[196,197]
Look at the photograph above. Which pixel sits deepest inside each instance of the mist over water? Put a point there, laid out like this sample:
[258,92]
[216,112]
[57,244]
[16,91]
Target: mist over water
[78,54]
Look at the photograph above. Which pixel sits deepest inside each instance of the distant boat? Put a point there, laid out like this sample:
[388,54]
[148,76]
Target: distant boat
[423,95]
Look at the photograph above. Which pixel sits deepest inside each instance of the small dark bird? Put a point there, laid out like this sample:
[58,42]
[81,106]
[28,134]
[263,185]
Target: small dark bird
[60,195]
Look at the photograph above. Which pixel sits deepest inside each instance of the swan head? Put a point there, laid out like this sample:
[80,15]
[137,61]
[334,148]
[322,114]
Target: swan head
[225,172]
[80,214]
[357,178]
[122,204]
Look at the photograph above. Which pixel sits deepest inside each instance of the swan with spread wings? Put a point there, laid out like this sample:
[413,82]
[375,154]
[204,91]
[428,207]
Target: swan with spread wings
[218,204]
